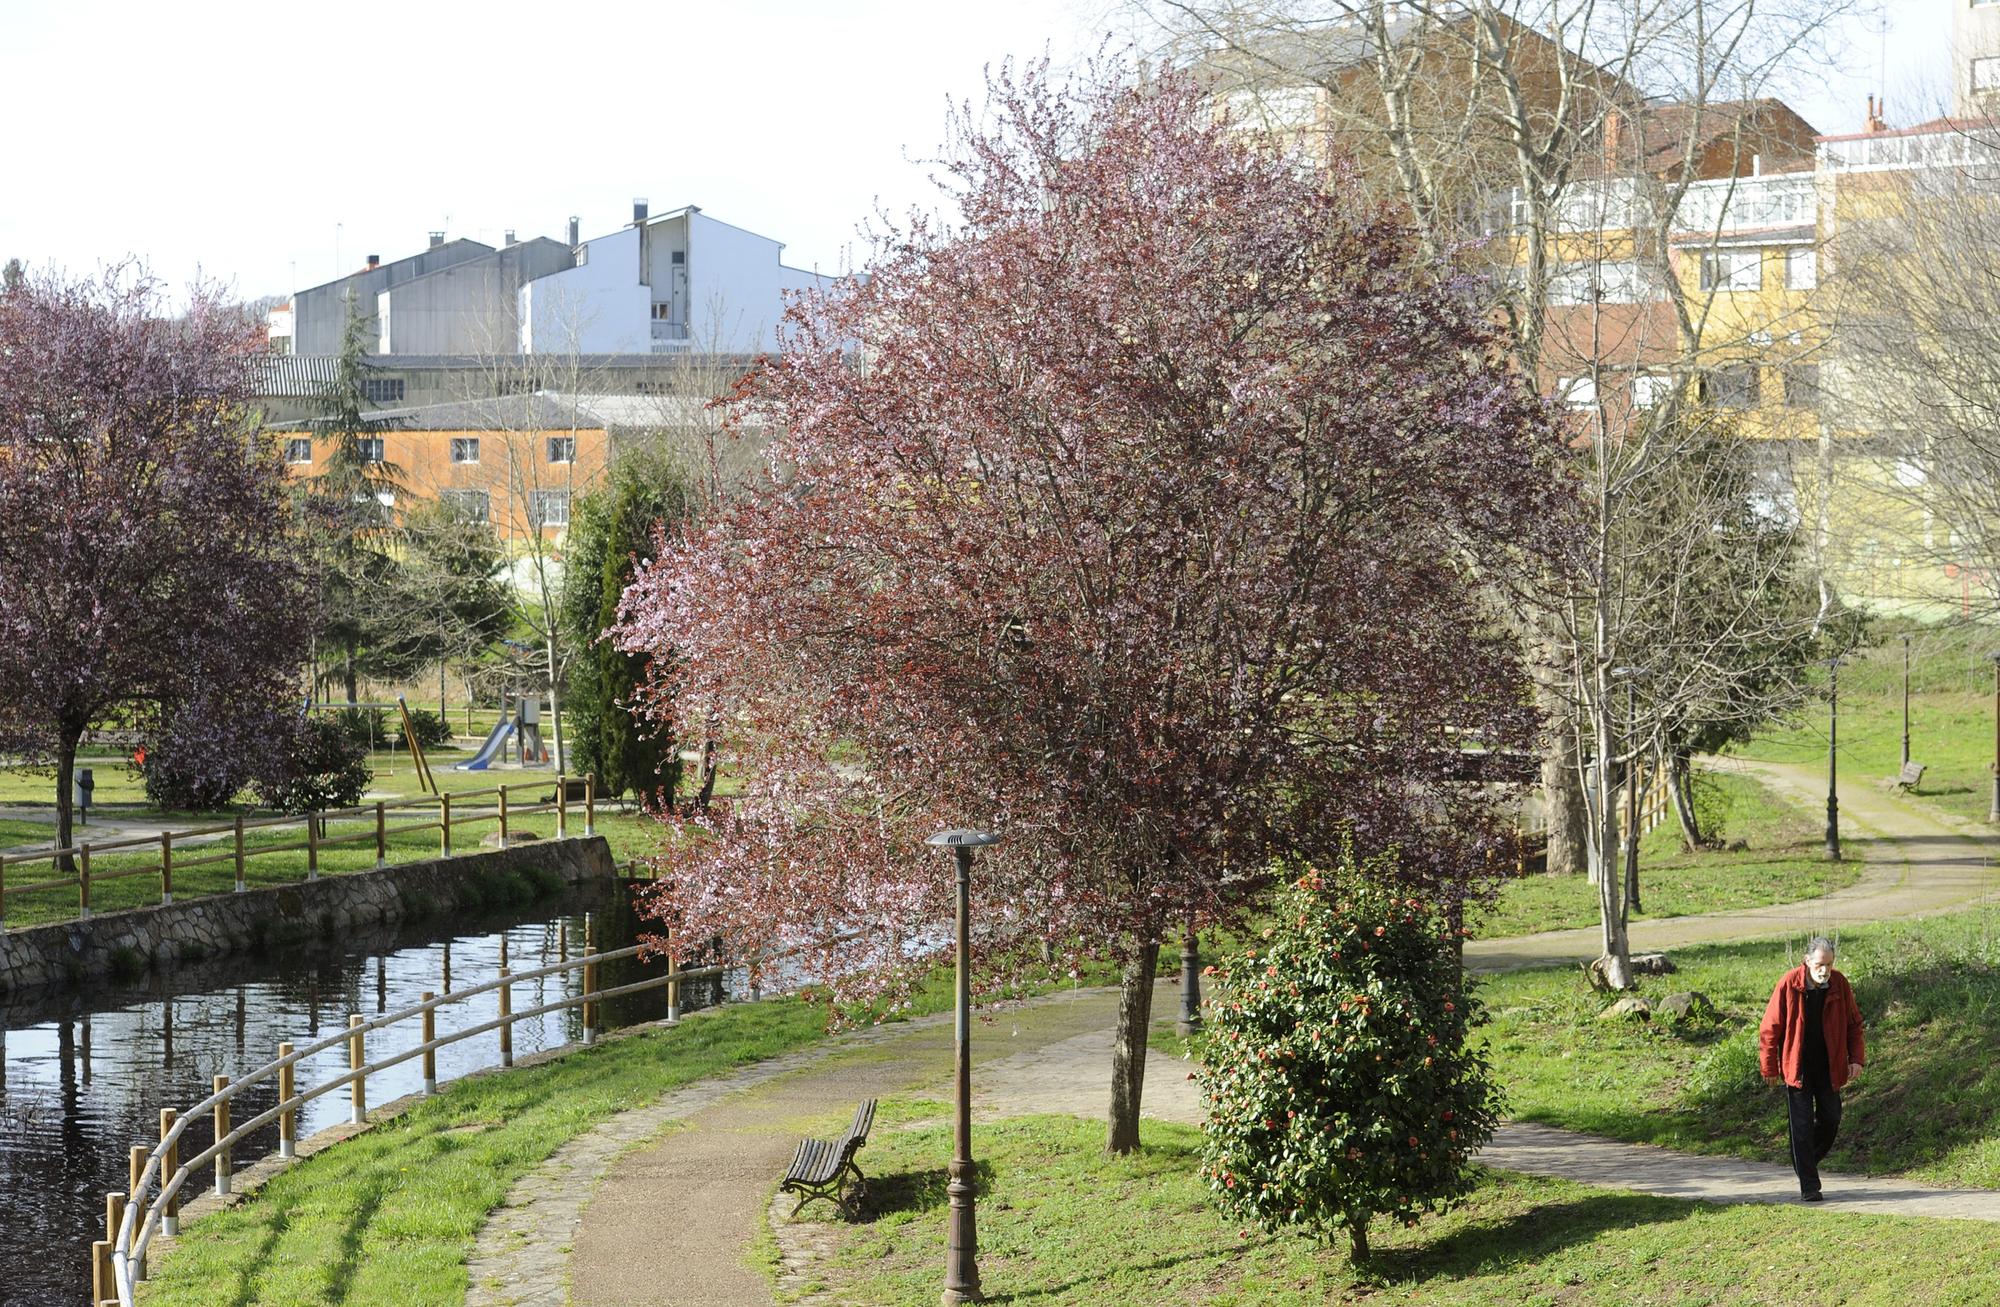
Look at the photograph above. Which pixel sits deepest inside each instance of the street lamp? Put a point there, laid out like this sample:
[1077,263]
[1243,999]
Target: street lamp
[1190,1021]
[1906,699]
[961,1271]
[1832,766]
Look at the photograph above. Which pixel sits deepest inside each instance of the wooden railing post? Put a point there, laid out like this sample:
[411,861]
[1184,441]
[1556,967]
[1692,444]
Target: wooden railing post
[288,1120]
[430,1054]
[503,816]
[358,1086]
[166,867]
[135,1166]
[3,893]
[590,803]
[240,886]
[312,846]
[170,1221]
[114,1216]
[102,1288]
[221,1132]
[381,837]
[444,822]
[83,882]
[562,807]
[673,984]
[506,1012]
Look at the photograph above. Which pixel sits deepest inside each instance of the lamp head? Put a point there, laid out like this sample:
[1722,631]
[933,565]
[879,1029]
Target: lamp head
[962,839]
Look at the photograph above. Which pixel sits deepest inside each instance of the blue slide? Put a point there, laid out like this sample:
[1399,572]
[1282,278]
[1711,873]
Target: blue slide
[496,744]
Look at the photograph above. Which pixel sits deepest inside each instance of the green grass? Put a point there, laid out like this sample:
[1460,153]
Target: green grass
[1927,1105]
[1783,863]
[1060,1222]
[1951,718]
[390,1216]
[18,832]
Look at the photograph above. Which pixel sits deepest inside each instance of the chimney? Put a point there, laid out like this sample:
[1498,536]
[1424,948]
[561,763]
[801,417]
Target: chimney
[1876,121]
[437,239]
[638,210]
[510,236]
[1614,126]
[374,262]
[572,232]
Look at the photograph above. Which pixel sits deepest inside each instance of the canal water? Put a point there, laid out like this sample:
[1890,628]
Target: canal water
[83,1075]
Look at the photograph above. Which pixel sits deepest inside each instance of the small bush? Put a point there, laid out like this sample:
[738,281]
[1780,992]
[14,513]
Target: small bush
[324,766]
[1727,1074]
[192,780]
[432,730]
[367,727]
[1337,1075]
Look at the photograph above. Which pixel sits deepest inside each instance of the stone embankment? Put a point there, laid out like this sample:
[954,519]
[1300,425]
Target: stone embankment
[161,936]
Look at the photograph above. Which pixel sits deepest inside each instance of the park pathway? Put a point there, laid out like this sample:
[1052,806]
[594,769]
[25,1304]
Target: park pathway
[1916,863]
[665,1204]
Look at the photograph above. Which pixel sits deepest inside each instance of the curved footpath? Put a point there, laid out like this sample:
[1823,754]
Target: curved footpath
[664,1204]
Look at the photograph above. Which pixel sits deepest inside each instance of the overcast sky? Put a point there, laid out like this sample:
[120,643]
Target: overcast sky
[274,146]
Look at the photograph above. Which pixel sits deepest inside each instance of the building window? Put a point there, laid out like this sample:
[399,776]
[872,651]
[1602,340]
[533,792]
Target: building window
[562,449]
[1577,392]
[663,312]
[370,449]
[1802,385]
[1986,73]
[548,508]
[467,505]
[1801,269]
[299,450]
[1735,387]
[382,390]
[279,344]
[1649,389]
[1732,270]
[465,449]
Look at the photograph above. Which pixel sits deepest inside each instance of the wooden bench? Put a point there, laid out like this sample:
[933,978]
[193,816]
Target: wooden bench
[820,1169]
[1911,775]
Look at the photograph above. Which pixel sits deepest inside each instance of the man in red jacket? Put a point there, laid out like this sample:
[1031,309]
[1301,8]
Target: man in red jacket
[1811,1039]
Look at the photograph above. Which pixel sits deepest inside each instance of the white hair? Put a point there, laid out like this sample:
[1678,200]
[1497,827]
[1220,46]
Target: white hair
[1819,944]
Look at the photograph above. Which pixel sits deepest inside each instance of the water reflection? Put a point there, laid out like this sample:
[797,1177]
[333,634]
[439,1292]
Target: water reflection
[83,1075]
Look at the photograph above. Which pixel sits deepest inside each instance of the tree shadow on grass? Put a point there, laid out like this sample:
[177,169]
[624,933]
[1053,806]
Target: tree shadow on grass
[1488,1246]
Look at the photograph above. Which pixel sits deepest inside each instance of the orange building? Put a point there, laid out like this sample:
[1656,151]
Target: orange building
[517,461]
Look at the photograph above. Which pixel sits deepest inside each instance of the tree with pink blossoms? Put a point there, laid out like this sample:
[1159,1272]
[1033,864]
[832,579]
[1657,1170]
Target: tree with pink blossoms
[147,572]
[1159,513]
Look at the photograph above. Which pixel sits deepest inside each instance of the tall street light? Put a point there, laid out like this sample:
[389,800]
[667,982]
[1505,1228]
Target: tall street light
[1906,699]
[961,1272]
[1832,766]
[1190,1021]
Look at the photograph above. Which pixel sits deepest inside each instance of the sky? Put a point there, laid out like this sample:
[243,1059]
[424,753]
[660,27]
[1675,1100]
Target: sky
[273,147]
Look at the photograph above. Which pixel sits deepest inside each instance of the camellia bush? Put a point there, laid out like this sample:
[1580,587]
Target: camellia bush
[324,767]
[1337,1076]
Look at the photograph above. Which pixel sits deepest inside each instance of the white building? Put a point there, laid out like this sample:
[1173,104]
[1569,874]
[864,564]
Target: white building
[667,283]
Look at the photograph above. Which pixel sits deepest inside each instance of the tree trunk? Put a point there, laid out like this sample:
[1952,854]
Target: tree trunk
[1357,1234]
[1680,776]
[347,675]
[707,790]
[1128,1049]
[1562,800]
[1617,960]
[66,746]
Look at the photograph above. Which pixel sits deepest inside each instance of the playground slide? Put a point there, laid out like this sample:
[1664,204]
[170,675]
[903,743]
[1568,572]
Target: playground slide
[495,744]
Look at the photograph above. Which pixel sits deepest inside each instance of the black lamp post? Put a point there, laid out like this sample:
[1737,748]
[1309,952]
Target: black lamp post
[1832,764]
[961,1272]
[1190,1021]
[1906,700]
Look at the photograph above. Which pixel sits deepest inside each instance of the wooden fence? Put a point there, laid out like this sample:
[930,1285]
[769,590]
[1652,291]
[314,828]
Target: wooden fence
[159,1175]
[237,852]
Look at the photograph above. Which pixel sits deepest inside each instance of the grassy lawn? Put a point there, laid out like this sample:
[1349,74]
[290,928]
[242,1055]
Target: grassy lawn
[1951,718]
[1059,1222]
[1783,863]
[390,1216]
[1927,1106]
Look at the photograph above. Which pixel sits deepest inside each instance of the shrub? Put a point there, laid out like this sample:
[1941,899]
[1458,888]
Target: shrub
[367,727]
[324,767]
[1337,1075]
[192,779]
[432,730]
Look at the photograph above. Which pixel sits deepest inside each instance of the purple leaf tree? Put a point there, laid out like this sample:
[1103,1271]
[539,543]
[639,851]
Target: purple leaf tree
[148,578]
[1157,513]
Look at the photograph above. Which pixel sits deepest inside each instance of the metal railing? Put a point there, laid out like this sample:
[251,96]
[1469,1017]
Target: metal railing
[150,1204]
[238,852]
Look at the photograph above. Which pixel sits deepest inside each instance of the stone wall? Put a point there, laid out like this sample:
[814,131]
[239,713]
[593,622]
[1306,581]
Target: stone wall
[162,936]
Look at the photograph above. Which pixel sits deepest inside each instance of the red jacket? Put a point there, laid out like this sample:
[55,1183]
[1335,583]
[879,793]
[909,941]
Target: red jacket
[1781,1039]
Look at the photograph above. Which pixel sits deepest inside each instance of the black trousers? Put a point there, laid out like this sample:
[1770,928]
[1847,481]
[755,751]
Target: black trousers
[1815,1121]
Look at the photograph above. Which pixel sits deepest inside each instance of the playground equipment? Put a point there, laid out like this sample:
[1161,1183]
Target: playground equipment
[416,746]
[522,729]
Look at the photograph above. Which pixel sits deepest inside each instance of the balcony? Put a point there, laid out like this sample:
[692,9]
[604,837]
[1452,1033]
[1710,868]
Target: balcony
[1745,203]
[668,330]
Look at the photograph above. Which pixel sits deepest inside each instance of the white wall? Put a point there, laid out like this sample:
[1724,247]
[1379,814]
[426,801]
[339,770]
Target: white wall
[735,286]
[598,307]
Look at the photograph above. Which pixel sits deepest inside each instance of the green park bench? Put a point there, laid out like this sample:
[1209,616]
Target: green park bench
[821,1168]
